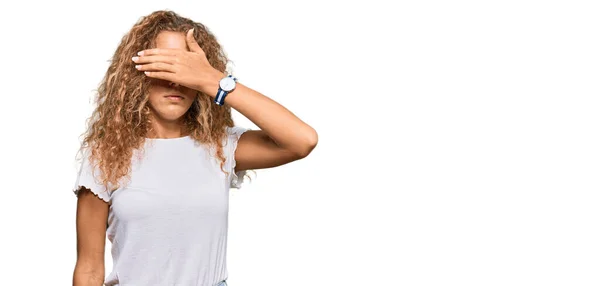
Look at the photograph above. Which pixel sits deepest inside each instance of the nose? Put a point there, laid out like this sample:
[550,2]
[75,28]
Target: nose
[173,84]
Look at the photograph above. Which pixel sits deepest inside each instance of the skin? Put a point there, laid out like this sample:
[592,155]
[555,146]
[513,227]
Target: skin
[179,66]
[167,114]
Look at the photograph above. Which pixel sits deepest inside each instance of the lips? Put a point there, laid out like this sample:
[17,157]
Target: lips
[174,97]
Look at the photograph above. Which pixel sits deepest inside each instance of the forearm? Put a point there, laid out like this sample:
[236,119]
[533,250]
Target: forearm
[285,128]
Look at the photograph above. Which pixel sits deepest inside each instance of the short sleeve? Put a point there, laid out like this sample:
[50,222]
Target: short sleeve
[87,177]
[233,135]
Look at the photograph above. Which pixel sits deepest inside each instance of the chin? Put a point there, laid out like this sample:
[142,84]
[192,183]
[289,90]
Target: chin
[170,114]
[173,115]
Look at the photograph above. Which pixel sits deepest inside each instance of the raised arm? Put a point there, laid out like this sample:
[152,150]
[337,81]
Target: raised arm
[91,221]
[282,137]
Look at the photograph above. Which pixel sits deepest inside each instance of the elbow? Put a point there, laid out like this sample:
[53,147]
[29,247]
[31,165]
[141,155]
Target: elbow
[95,277]
[88,273]
[309,144]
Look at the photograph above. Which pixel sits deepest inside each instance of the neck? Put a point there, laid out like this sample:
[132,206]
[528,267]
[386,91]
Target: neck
[166,129]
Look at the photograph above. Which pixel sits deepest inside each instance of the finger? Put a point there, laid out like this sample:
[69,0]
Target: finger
[156,67]
[155,59]
[161,75]
[158,51]
[192,43]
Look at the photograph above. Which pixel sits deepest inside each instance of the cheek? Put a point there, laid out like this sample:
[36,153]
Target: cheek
[191,93]
[154,94]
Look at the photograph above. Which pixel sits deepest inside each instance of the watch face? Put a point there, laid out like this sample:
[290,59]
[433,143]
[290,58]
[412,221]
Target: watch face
[227,83]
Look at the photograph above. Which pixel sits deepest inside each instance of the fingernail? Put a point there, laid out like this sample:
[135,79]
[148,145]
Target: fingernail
[137,66]
[141,53]
[135,59]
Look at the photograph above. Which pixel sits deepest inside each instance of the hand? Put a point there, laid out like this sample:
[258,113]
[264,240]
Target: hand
[190,69]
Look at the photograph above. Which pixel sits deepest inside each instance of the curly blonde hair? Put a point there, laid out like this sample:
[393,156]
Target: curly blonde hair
[121,121]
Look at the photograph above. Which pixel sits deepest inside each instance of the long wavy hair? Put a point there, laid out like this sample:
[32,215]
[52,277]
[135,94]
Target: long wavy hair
[121,119]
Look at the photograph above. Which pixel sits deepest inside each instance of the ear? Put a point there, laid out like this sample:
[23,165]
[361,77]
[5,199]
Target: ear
[191,42]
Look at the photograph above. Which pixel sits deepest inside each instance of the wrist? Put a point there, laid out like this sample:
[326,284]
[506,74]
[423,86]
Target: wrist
[210,85]
[226,86]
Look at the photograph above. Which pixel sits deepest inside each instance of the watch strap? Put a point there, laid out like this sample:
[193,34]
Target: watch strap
[221,94]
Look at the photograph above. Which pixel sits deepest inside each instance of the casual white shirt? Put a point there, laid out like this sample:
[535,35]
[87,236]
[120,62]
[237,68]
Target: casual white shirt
[168,225]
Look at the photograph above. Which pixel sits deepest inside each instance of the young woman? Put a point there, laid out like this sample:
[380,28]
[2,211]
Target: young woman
[161,152]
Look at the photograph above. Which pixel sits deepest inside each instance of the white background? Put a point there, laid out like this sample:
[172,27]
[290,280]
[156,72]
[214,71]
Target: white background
[458,140]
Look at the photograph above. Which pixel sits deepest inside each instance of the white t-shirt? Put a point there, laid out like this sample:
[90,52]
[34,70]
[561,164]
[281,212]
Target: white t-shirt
[168,225]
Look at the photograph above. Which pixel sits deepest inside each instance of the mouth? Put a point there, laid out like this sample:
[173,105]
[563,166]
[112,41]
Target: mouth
[175,97]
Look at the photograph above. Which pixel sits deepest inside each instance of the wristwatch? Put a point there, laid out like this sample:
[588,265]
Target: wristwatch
[226,85]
